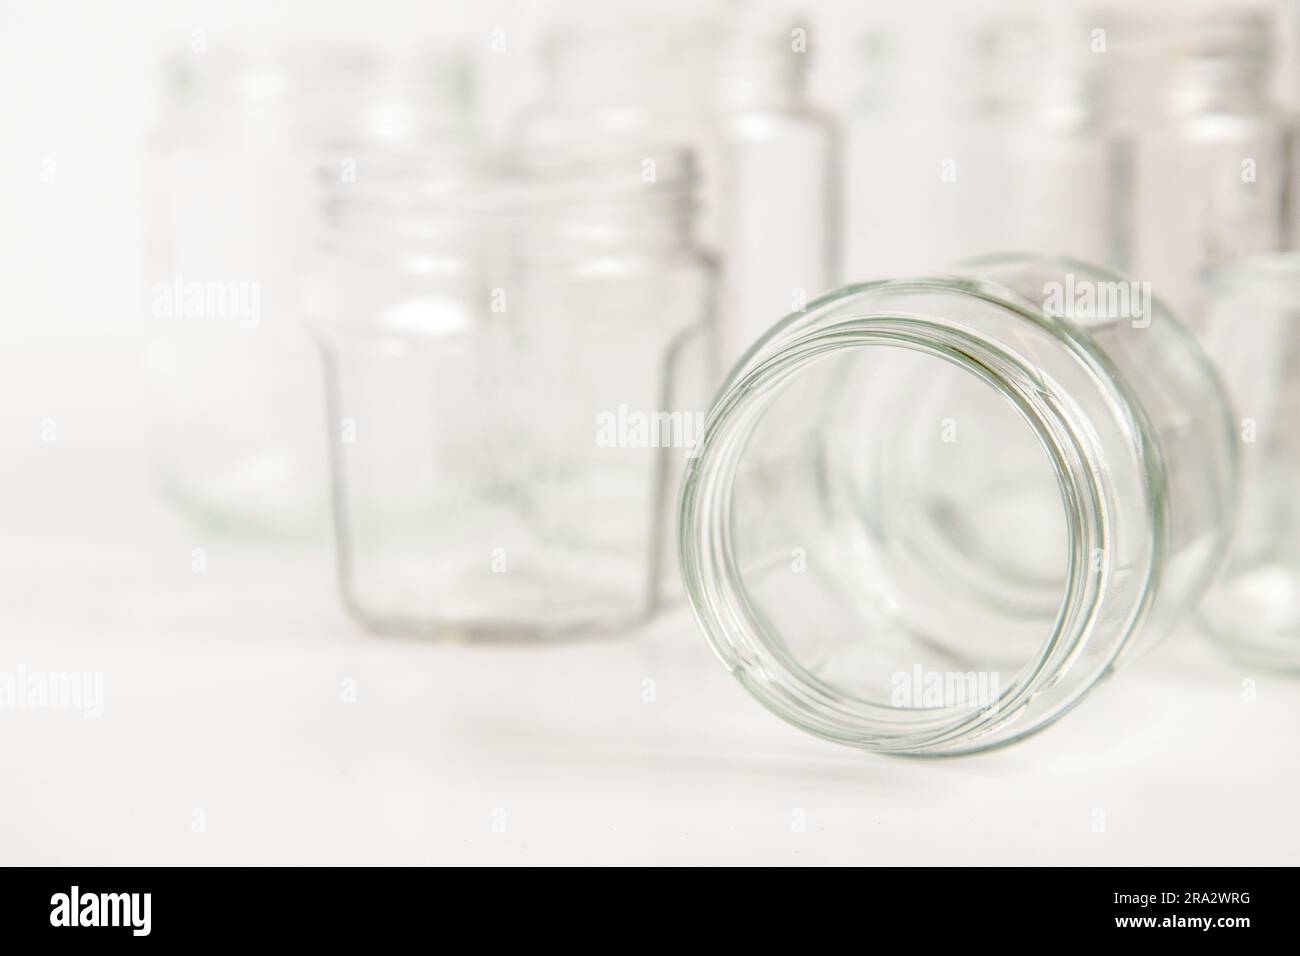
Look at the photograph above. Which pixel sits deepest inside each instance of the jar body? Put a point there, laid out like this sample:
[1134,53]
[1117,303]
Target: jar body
[505,404]
[1209,166]
[989,136]
[229,208]
[928,516]
[1207,189]
[918,193]
[769,191]
[1252,329]
[779,215]
[231,192]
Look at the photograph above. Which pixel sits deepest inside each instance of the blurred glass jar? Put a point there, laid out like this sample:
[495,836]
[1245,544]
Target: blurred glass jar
[778,181]
[608,82]
[736,98]
[1192,94]
[929,515]
[512,360]
[1253,331]
[988,136]
[230,194]
[896,218]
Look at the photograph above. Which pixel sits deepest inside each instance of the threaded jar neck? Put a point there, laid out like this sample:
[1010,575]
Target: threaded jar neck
[1222,64]
[327,95]
[538,205]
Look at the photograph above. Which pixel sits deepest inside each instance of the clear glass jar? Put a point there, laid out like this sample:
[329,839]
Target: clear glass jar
[1034,165]
[768,193]
[1252,329]
[778,181]
[979,136]
[928,515]
[230,194]
[614,81]
[511,358]
[897,218]
[1192,94]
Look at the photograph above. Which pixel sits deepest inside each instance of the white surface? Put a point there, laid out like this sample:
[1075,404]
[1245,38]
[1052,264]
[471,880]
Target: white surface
[223,693]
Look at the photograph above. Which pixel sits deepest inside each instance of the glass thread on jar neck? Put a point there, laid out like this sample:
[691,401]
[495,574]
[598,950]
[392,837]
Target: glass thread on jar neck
[1222,64]
[1030,70]
[763,70]
[536,204]
[331,95]
[1192,63]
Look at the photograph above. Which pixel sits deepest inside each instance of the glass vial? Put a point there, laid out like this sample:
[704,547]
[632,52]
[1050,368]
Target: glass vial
[1252,329]
[508,357]
[929,515]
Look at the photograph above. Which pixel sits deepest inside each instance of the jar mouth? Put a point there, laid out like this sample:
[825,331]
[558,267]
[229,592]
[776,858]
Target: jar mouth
[1096,616]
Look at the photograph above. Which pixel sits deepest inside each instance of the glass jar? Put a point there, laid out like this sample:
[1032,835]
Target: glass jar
[929,515]
[510,354]
[778,183]
[735,97]
[608,80]
[230,194]
[1210,174]
[1034,166]
[984,135]
[1252,330]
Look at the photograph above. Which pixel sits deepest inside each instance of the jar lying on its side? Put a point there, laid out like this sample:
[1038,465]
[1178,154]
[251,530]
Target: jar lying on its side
[504,348]
[1252,329]
[927,516]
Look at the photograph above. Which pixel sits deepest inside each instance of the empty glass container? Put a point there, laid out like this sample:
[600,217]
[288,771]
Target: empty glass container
[929,515]
[1210,171]
[510,351]
[768,192]
[976,137]
[230,192]
[1252,329]
[778,183]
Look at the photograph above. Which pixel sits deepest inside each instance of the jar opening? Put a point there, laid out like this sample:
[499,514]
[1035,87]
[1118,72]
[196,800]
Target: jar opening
[850,535]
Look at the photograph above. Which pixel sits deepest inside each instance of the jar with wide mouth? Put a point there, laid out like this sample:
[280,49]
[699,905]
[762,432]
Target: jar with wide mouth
[930,515]
[511,354]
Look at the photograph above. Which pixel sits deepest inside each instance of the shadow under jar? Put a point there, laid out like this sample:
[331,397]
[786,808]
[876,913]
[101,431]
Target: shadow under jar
[928,516]
[499,342]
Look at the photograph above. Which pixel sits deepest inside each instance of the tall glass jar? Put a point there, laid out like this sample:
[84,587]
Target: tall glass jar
[929,515]
[230,193]
[1192,93]
[511,359]
[980,136]
[618,82]
[768,193]
[898,217]
[1252,329]
[779,185]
